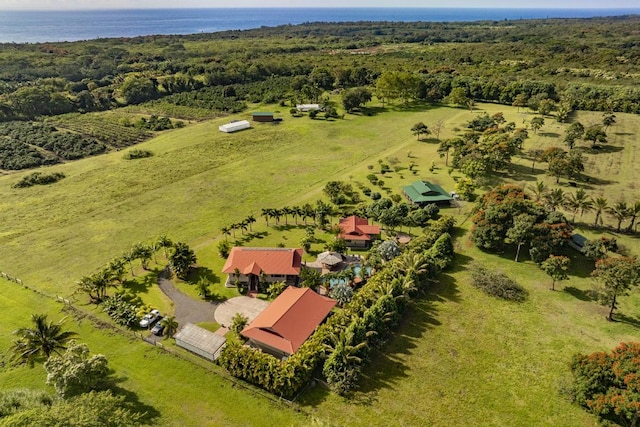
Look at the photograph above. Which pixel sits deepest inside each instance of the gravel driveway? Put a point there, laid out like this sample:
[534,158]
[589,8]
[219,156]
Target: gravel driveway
[187,309]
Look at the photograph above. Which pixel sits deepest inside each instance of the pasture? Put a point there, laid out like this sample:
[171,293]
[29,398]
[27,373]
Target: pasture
[459,356]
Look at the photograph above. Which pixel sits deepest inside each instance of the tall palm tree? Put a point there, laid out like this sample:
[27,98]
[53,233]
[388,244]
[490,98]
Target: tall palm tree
[572,204]
[226,232]
[251,220]
[43,339]
[128,257]
[308,212]
[244,225]
[170,325]
[600,205]
[165,243]
[620,211]
[266,213]
[586,205]
[555,198]
[634,211]
[539,191]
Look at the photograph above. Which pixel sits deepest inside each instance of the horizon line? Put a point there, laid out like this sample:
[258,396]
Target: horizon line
[81,9]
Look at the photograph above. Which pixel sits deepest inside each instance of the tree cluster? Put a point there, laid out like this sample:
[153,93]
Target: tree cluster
[608,384]
[506,215]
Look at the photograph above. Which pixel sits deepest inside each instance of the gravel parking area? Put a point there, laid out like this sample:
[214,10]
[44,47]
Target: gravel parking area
[248,306]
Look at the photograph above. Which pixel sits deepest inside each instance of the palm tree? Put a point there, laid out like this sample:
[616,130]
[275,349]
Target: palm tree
[170,326]
[600,205]
[555,198]
[579,202]
[295,213]
[539,191]
[634,211]
[250,220]
[276,214]
[307,212]
[620,211]
[116,269]
[266,213]
[244,225]
[164,242]
[226,232]
[128,258]
[344,347]
[42,339]
[586,204]
[144,253]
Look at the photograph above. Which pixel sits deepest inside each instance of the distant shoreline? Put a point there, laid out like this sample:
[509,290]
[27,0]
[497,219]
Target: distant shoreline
[60,26]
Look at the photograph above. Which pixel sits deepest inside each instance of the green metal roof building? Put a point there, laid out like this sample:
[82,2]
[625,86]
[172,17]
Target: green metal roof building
[423,192]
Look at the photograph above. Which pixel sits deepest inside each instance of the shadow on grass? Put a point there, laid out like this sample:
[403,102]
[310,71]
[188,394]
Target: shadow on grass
[629,320]
[369,111]
[196,274]
[580,294]
[140,284]
[149,413]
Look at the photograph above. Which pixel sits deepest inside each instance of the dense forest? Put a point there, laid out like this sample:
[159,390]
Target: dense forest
[570,64]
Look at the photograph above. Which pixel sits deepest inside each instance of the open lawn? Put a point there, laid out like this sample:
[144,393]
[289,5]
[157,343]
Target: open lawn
[173,391]
[460,357]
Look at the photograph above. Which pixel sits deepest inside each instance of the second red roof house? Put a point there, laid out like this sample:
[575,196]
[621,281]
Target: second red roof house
[357,232]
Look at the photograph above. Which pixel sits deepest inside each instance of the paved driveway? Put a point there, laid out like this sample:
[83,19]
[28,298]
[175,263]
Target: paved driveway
[187,309]
[248,306]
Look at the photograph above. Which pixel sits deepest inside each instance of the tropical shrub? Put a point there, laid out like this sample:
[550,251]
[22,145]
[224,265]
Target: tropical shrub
[137,154]
[497,284]
[39,178]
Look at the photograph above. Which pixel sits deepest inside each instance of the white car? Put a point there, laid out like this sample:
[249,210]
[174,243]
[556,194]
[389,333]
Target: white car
[150,318]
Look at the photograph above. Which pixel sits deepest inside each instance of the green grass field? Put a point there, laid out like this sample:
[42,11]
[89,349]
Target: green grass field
[459,357]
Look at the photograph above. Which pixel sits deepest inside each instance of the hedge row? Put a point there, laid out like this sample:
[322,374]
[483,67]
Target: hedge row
[344,341]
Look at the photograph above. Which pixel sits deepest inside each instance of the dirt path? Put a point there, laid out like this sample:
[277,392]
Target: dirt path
[187,309]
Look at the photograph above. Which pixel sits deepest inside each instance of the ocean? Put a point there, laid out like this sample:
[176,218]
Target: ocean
[35,27]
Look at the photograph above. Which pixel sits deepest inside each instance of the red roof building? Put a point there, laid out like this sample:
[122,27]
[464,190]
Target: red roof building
[288,321]
[357,231]
[251,265]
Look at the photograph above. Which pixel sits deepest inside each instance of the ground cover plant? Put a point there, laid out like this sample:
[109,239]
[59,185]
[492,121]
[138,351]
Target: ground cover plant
[187,171]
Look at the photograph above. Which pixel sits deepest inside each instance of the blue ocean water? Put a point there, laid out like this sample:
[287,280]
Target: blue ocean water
[50,26]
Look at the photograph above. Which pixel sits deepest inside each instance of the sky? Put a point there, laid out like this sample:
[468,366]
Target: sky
[159,4]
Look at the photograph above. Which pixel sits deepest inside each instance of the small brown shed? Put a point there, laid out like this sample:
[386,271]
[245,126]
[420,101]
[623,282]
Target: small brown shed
[262,117]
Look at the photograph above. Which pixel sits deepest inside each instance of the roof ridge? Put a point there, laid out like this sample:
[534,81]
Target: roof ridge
[292,305]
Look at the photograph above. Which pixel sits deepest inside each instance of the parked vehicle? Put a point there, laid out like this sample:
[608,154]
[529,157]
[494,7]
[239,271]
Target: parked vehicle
[158,328]
[149,318]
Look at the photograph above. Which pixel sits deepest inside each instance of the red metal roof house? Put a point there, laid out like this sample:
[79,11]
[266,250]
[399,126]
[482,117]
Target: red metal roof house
[357,232]
[288,321]
[272,264]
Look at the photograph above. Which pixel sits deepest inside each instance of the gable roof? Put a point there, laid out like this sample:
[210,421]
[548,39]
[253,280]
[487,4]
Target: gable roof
[268,260]
[200,339]
[425,192]
[290,319]
[356,228]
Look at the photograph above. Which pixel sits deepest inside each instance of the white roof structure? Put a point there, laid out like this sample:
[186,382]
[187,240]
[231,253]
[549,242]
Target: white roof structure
[235,126]
[307,107]
[200,341]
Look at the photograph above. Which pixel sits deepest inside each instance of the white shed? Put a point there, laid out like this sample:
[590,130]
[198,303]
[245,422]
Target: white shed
[235,126]
[200,341]
[307,107]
